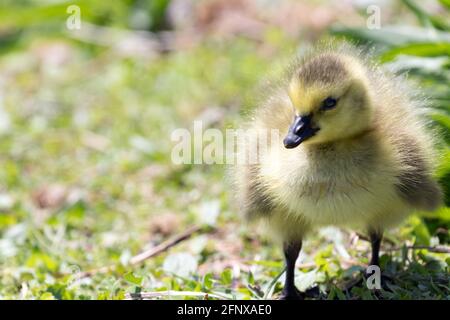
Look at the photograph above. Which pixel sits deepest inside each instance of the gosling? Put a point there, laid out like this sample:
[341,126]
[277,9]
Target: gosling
[352,151]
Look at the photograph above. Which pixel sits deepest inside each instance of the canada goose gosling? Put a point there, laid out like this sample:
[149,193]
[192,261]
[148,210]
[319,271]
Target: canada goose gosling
[355,154]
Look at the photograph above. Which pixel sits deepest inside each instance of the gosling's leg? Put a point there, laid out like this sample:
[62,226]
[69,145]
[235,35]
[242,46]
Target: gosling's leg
[375,240]
[291,251]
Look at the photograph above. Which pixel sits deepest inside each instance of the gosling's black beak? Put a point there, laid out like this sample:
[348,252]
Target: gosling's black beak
[300,130]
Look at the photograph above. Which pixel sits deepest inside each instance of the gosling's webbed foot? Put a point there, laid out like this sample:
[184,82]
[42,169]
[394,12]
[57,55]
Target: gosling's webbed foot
[291,294]
[313,293]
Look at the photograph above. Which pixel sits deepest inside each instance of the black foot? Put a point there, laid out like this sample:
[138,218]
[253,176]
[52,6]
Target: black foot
[313,293]
[294,294]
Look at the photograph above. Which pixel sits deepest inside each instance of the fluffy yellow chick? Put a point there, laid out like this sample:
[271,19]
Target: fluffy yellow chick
[353,152]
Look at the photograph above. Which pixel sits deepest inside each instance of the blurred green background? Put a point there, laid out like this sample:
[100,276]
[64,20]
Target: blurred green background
[86,179]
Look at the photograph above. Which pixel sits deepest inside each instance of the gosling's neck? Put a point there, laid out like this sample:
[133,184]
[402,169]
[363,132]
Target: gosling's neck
[346,145]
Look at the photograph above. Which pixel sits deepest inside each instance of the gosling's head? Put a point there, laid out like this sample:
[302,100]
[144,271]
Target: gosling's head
[331,99]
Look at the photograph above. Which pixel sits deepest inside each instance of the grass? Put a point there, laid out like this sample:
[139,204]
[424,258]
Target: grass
[86,180]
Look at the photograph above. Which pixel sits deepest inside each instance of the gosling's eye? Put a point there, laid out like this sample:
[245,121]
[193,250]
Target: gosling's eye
[329,103]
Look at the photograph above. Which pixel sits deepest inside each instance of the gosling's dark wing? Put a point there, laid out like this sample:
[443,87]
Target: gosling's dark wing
[255,200]
[415,184]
